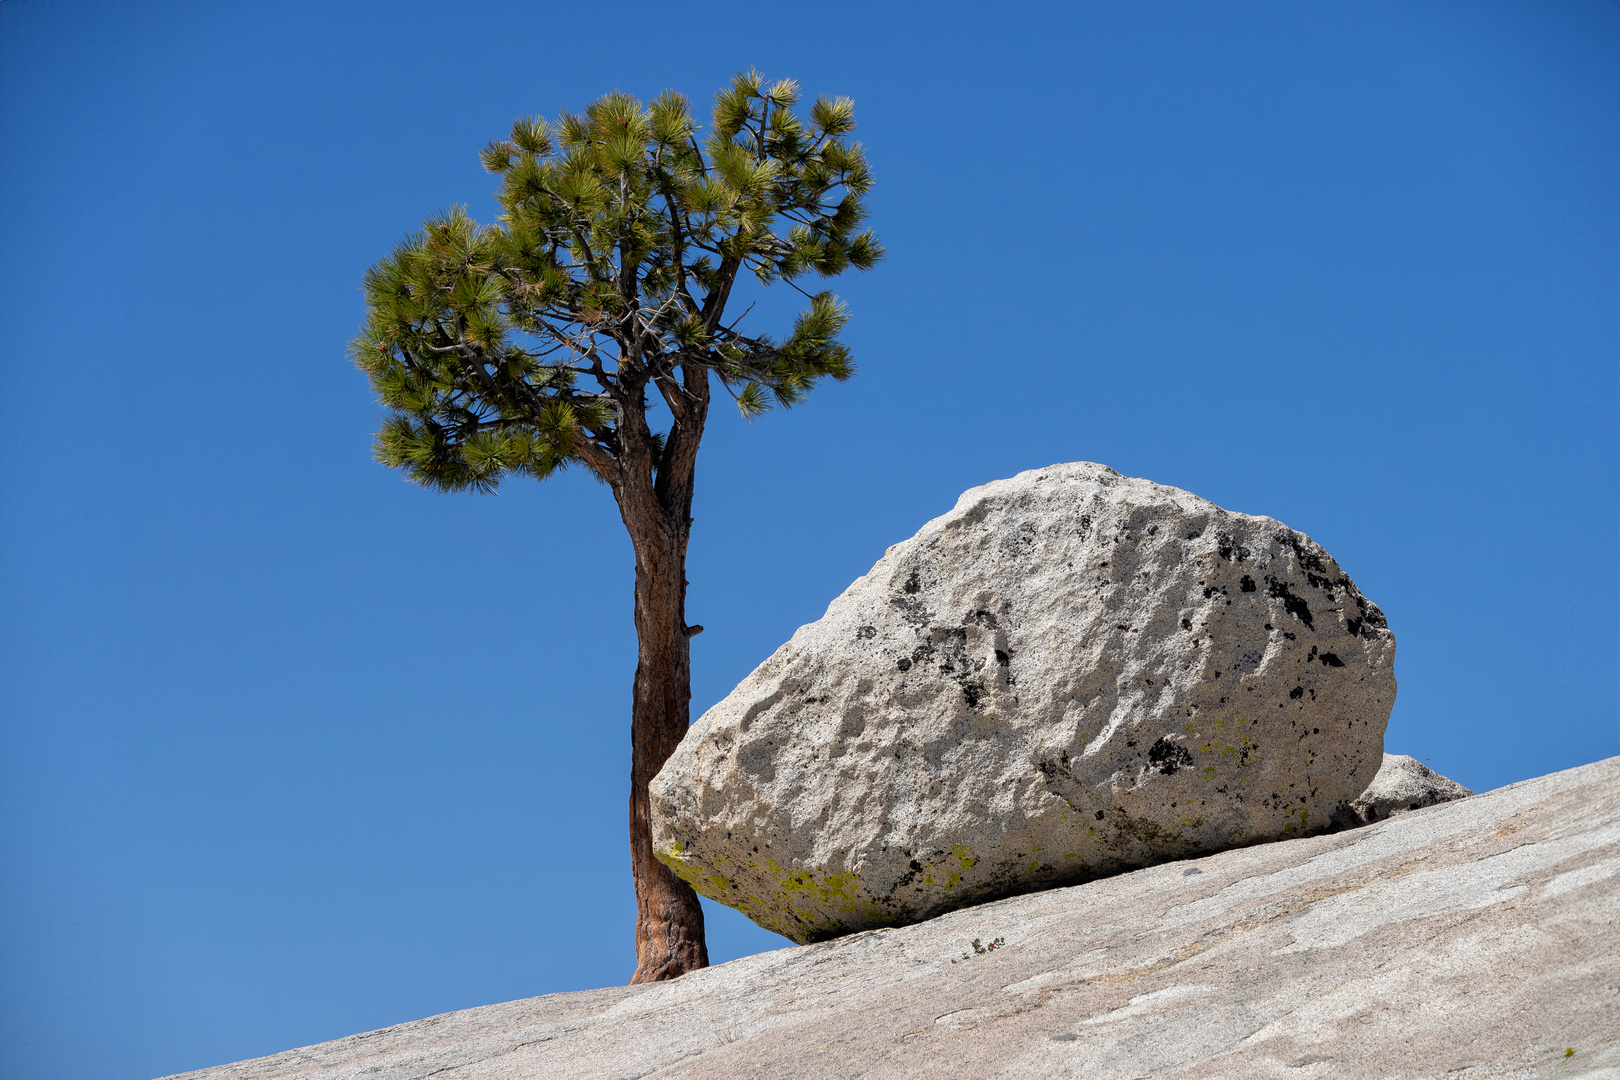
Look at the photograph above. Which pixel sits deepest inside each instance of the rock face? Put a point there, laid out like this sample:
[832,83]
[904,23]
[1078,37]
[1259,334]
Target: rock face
[1465,941]
[1070,674]
[1403,784]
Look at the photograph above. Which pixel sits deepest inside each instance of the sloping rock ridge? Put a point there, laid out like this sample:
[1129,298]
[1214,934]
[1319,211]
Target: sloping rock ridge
[1478,938]
[1070,674]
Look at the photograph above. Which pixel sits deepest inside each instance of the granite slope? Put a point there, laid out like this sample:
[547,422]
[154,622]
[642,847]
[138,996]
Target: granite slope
[1477,938]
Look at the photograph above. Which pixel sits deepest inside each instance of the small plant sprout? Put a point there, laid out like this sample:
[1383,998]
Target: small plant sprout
[980,948]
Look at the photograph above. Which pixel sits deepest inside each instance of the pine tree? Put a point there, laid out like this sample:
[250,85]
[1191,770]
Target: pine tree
[528,346]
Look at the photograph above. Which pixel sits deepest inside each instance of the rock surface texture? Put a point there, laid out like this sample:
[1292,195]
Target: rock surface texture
[1480,938]
[1070,674]
[1403,784]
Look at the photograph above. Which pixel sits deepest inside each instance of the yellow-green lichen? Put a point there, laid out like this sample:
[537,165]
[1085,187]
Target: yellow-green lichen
[704,881]
[808,903]
[1292,827]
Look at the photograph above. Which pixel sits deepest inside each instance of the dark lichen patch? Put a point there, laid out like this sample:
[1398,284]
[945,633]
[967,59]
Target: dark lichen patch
[1229,548]
[1293,604]
[1371,612]
[1309,556]
[1167,757]
[955,662]
[1055,768]
[909,603]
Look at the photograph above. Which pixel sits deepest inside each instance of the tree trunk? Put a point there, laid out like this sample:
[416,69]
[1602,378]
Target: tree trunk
[669,920]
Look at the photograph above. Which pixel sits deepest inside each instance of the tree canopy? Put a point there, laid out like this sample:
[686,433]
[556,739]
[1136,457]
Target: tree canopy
[531,344]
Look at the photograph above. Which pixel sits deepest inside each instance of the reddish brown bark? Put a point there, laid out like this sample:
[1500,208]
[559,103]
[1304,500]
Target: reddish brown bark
[654,492]
[669,919]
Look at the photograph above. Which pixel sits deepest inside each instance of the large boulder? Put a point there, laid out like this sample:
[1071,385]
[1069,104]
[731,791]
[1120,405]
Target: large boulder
[1070,674]
[1403,784]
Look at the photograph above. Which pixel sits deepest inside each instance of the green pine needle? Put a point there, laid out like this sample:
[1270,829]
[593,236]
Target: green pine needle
[517,348]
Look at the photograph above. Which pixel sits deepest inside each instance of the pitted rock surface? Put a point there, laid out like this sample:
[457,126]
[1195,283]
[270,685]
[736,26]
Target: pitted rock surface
[1071,674]
[1467,941]
[1403,784]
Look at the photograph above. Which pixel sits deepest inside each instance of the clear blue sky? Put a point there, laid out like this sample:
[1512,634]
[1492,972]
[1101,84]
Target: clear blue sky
[290,749]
